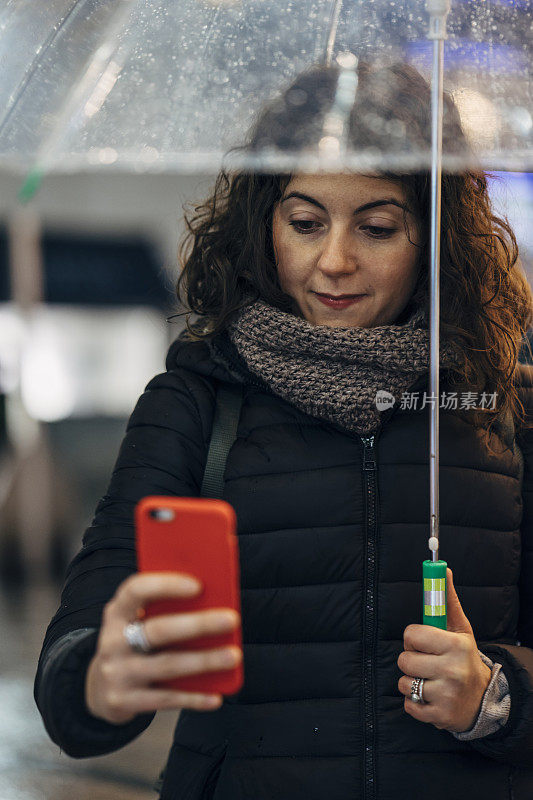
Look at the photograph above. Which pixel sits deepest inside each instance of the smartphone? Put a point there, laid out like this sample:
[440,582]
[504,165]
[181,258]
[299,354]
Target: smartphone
[196,536]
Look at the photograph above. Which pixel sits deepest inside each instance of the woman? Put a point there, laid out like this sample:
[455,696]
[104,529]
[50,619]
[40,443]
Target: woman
[312,292]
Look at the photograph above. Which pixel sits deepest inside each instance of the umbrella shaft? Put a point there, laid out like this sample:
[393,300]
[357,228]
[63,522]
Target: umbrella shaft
[332,33]
[436,171]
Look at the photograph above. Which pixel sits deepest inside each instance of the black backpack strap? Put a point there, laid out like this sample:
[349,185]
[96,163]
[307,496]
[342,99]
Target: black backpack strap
[227,413]
[228,404]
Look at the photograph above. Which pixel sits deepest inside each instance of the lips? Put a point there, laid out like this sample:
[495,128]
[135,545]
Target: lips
[338,296]
[339,301]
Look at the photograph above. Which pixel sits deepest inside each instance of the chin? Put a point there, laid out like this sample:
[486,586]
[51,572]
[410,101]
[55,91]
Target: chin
[341,322]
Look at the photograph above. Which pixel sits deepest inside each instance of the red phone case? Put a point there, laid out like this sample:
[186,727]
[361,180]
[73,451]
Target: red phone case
[198,539]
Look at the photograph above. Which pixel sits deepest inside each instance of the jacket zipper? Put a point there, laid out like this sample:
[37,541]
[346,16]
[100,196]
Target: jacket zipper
[368,683]
[370,624]
[369,627]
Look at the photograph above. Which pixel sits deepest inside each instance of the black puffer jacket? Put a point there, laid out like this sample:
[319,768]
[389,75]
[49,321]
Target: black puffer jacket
[332,533]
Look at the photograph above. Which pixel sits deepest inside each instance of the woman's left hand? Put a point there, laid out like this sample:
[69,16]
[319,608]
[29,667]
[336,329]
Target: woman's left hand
[455,677]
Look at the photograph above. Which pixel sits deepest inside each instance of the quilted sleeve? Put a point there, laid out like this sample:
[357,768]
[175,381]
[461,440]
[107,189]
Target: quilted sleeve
[513,742]
[162,453]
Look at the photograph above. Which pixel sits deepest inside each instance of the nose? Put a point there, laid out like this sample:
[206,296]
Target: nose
[337,256]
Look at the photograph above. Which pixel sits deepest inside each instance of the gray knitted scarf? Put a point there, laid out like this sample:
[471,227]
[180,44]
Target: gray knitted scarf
[334,373]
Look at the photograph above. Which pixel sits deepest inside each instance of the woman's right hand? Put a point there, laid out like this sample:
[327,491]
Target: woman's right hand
[118,681]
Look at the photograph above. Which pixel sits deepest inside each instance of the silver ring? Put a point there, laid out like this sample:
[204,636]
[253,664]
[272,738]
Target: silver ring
[417,687]
[136,637]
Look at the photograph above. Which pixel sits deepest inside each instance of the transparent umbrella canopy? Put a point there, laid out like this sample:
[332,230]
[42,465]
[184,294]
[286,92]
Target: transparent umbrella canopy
[175,86]
[148,85]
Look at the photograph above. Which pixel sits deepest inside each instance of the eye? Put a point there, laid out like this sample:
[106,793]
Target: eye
[378,232]
[297,223]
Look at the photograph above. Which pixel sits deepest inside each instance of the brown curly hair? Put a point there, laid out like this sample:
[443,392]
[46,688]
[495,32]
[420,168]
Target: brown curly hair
[227,258]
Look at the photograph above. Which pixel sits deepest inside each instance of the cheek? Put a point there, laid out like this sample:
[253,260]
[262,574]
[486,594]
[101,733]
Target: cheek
[291,270]
[289,279]
[281,252]
[404,264]
[282,277]
[400,270]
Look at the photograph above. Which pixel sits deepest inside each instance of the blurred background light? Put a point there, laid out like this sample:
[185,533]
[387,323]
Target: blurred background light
[474,109]
[12,333]
[47,388]
[80,363]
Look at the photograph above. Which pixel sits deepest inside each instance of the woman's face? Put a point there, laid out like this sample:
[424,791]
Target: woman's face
[345,235]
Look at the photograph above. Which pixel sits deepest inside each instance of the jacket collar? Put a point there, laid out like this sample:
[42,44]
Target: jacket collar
[217,358]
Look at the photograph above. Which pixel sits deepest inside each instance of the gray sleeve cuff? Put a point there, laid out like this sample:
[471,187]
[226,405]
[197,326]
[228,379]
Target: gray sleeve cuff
[495,707]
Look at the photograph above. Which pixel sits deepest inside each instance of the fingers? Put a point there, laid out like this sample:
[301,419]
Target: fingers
[118,686]
[118,679]
[422,665]
[428,691]
[140,589]
[166,629]
[143,700]
[165,666]
[426,639]
[135,593]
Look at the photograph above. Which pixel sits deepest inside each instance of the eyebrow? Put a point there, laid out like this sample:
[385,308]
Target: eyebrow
[386,201]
